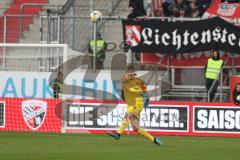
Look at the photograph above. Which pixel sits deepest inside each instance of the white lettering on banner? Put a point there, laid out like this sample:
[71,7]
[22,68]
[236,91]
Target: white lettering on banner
[179,40]
[231,38]
[147,33]
[221,121]
[107,117]
[76,120]
[174,117]
[206,37]
[102,120]
[88,116]
[165,37]
[176,39]
[216,34]
[229,119]
[157,37]
[218,119]
[186,34]
[202,119]
[113,118]
[155,117]
[164,118]
[237,120]
[194,37]
[213,119]
[223,39]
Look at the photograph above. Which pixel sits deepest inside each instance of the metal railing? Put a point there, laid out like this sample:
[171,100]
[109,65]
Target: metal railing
[56,6]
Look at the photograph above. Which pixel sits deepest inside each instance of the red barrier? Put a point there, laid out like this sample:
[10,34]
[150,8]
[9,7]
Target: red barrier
[96,116]
[202,119]
[38,115]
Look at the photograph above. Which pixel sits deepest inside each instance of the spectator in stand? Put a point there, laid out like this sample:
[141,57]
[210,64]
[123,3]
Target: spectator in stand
[165,6]
[158,8]
[182,12]
[236,94]
[136,9]
[58,85]
[149,9]
[212,72]
[204,5]
[193,9]
[175,6]
[168,1]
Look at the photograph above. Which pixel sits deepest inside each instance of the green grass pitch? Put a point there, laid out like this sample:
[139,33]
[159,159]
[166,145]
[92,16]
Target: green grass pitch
[41,146]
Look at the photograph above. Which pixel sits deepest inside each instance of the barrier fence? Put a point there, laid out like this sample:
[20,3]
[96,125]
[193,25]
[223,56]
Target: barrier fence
[89,116]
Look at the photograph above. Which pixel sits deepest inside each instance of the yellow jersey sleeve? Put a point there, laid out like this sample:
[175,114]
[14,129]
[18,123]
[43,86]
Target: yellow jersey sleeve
[132,88]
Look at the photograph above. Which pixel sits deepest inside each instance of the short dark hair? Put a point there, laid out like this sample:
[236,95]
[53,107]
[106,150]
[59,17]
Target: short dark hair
[130,67]
[59,73]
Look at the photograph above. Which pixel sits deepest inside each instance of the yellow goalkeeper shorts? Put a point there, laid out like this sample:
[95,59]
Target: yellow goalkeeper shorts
[136,110]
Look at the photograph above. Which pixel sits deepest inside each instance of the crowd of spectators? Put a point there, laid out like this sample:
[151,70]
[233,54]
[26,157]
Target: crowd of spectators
[171,8]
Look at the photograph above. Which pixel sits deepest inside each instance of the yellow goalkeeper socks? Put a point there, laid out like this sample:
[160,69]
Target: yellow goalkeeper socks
[123,126]
[144,133]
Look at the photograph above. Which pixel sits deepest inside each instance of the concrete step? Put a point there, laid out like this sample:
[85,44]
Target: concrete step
[82,3]
[115,30]
[119,63]
[111,38]
[57,1]
[121,13]
[34,28]
[4,4]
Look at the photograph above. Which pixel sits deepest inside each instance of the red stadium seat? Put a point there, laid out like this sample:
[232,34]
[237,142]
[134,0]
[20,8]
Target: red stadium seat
[13,23]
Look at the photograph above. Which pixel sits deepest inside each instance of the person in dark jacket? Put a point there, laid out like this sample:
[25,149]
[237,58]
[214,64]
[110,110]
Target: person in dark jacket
[236,94]
[100,50]
[58,85]
[136,8]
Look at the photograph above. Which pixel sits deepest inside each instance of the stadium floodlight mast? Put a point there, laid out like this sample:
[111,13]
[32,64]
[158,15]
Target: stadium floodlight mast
[96,16]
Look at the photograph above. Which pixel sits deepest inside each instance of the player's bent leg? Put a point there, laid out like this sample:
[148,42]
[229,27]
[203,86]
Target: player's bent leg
[144,133]
[123,126]
[135,125]
[121,129]
[141,131]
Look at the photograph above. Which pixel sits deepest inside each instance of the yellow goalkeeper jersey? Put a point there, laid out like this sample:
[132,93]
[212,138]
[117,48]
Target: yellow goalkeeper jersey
[132,88]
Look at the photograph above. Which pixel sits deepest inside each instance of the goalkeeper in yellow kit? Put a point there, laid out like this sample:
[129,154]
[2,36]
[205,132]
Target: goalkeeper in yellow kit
[135,95]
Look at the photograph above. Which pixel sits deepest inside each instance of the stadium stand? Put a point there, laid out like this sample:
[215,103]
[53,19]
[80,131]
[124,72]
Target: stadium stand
[75,29]
[13,22]
[179,8]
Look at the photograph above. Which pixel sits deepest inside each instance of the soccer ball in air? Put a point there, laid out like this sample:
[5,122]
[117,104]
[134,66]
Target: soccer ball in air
[96,16]
[238,98]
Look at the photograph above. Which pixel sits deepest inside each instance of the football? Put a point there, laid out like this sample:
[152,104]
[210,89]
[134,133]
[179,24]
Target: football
[96,16]
[238,98]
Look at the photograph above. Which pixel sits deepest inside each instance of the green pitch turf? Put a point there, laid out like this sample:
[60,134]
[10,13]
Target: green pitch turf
[35,146]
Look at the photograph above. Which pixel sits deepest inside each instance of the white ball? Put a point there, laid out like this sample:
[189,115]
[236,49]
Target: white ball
[238,98]
[96,16]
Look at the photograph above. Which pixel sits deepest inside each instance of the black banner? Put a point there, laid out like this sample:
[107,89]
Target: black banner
[152,118]
[156,36]
[225,119]
[2,114]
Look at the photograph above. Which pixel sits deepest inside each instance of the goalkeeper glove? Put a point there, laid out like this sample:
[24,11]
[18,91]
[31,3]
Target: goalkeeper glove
[145,99]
